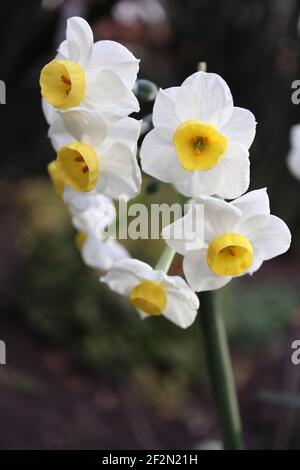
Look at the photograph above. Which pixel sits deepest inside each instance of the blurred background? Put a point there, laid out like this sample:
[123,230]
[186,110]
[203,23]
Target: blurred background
[82,371]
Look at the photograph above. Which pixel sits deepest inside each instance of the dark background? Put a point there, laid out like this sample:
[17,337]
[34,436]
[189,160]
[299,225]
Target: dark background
[81,371]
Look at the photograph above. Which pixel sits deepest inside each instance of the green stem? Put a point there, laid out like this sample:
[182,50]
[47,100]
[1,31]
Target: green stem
[166,259]
[220,369]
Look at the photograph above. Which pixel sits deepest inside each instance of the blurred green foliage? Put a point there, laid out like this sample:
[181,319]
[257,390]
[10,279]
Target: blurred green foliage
[261,311]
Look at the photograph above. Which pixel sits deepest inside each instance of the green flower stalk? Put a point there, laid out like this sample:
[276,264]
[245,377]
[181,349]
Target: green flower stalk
[165,261]
[220,370]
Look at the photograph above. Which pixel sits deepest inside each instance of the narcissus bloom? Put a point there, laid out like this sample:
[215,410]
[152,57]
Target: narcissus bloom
[97,76]
[293,159]
[95,156]
[200,141]
[153,292]
[97,251]
[76,200]
[238,237]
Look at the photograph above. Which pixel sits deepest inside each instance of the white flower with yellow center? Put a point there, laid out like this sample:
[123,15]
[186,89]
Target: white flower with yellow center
[98,76]
[95,156]
[238,237]
[293,160]
[153,292]
[98,251]
[200,141]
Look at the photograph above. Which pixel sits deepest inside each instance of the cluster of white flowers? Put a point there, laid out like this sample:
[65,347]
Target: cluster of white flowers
[200,144]
[87,99]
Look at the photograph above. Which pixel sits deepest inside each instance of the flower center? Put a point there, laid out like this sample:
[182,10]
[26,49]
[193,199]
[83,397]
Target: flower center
[230,255]
[150,297]
[62,83]
[199,146]
[56,178]
[79,166]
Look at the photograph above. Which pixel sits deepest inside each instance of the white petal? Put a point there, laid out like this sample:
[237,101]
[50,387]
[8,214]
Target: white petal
[102,254]
[95,219]
[268,234]
[189,104]
[120,174]
[253,203]
[198,274]
[240,127]
[112,55]
[58,134]
[256,263]
[126,274]
[182,302]
[186,233]
[295,136]
[49,111]
[200,183]
[84,221]
[85,125]
[215,98]
[79,40]
[78,201]
[126,131]
[158,156]
[293,162]
[164,114]
[107,92]
[63,51]
[219,217]
[235,167]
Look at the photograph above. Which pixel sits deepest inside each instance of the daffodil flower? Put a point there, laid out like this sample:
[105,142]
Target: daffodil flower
[93,155]
[200,141]
[98,251]
[293,160]
[238,237]
[153,292]
[75,200]
[97,76]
